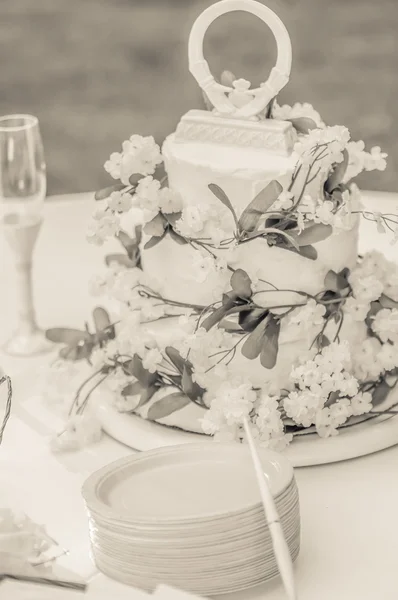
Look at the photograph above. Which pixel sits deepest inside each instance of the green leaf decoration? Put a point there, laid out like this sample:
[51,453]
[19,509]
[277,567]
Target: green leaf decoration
[263,342]
[216,316]
[254,343]
[308,252]
[176,237]
[106,192]
[323,341]
[222,196]
[250,319]
[303,124]
[167,405]
[132,389]
[189,386]
[335,282]
[120,259]
[154,241]
[131,245]
[79,352]
[101,319]
[258,206]
[146,395]
[380,393]
[241,284]
[375,307]
[144,376]
[387,302]
[176,358]
[172,218]
[269,351]
[337,175]
[304,251]
[157,226]
[64,335]
[313,234]
[287,237]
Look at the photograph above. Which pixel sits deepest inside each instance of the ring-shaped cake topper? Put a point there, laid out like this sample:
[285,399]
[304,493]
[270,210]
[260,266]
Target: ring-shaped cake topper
[218,94]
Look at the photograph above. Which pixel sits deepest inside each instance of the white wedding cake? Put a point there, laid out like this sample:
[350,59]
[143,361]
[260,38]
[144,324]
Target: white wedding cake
[241,293]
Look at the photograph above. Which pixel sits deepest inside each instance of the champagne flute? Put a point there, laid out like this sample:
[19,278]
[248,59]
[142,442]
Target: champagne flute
[22,193]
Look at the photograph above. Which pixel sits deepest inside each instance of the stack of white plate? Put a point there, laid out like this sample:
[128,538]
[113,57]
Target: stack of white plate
[190,516]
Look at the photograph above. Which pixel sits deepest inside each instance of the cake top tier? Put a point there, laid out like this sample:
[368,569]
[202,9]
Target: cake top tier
[239,101]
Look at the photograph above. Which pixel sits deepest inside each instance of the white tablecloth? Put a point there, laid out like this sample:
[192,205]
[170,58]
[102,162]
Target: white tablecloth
[349,510]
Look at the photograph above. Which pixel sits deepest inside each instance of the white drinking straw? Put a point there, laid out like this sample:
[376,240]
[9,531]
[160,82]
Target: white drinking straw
[281,550]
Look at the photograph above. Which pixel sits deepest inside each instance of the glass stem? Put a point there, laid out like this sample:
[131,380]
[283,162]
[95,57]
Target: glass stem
[25,310]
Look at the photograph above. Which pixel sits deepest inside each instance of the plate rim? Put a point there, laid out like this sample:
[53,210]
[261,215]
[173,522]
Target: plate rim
[94,503]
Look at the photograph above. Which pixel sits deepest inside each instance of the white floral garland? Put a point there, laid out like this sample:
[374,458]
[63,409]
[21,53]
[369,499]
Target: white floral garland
[228,398]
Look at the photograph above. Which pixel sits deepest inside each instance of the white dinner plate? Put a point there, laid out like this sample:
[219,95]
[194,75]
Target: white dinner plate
[183,483]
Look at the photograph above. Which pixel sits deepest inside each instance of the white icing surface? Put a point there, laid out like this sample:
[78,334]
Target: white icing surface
[242,173]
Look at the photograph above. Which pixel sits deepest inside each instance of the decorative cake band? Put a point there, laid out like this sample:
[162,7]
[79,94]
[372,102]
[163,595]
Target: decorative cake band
[202,126]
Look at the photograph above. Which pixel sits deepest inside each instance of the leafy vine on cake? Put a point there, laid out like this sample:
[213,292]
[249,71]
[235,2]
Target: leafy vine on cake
[329,386]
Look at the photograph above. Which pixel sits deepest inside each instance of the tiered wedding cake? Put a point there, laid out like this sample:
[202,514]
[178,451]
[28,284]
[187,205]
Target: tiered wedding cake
[241,292]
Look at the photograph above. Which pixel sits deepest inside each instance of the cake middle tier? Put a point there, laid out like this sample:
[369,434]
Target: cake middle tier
[186,274]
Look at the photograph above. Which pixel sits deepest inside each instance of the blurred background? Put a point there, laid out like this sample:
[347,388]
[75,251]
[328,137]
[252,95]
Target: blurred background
[96,71]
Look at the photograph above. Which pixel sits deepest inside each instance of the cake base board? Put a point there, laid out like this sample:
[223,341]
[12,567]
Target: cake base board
[306,450]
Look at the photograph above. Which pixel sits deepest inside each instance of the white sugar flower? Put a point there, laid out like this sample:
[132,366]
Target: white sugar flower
[302,406]
[230,402]
[359,160]
[335,138]
[309,315]
[387,358]
[376,159]
[324,213]
[152,360]
[119,202]
[361,403]
[365,288]
[385,324]
[169,201]
[366,359]
[103,227]
[80,431]
[356,310]
[192,220]
[140,155]
[298,110]
[345,383]
[113,165]
[284,202]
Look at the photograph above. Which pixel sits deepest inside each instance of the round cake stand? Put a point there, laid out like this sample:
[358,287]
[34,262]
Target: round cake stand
[306,450]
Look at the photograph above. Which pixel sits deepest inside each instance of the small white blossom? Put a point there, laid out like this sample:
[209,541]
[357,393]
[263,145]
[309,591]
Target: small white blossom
[308,316]
[284,202]
[80,431]
[119,202]
[366,356]
[387,357]
[366,288]
[286,112]
[140,155]
[324,213]
[361,403]
[385,324]
[169,201]
[152,360]
[376,159]
[302,406]
[103,227]
[356,310]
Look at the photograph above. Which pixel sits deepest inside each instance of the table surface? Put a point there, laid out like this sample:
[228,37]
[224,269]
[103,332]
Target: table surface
[349,510]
